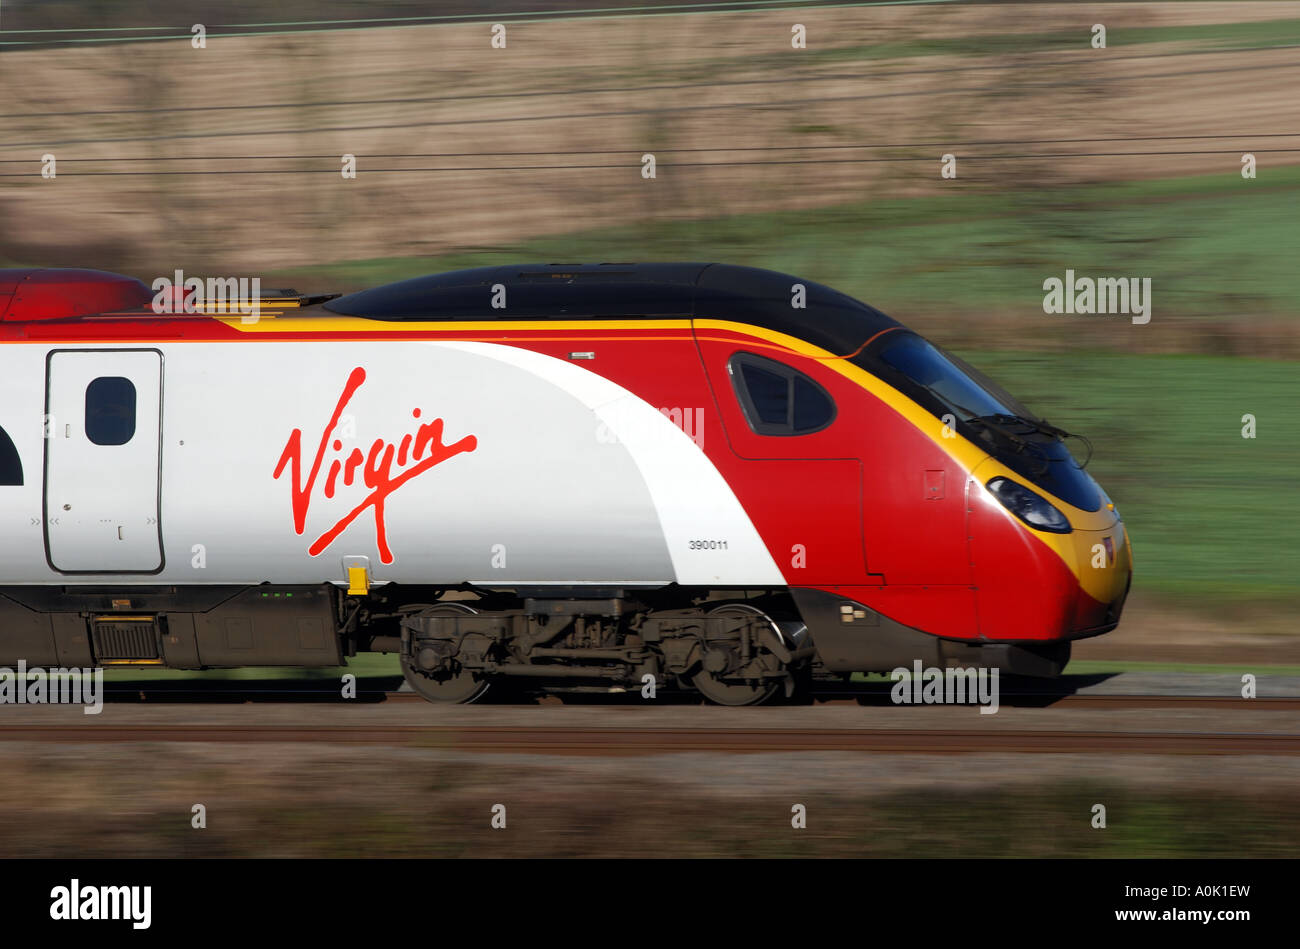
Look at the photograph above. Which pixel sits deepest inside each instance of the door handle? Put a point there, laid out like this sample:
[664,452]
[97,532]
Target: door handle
[67,430]
[119,531]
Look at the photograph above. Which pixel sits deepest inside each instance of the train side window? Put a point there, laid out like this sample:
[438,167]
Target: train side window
[769,392]
[110,410]
[778,399]
[11,466]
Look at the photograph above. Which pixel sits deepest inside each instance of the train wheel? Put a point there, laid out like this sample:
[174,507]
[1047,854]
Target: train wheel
[723,691]
[455,686]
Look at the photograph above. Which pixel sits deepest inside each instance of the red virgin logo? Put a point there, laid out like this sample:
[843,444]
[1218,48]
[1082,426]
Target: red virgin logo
[417,452]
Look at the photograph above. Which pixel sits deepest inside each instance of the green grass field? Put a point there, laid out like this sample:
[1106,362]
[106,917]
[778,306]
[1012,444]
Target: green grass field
[824,50]
[1202,36]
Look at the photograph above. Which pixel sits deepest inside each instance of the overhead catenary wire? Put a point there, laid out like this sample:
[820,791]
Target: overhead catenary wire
[448,19]
[659,163]
[690,149]
[588,91]
[614,113]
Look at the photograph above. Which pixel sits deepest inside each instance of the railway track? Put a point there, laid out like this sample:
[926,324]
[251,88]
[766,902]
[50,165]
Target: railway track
[1119,701]
[650,741]
[836,698]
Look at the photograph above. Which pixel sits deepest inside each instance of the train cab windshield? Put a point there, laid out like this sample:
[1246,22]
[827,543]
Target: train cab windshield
[948,380]
[984,411]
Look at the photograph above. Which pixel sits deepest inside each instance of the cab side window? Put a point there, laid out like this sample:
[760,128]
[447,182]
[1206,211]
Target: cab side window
[778,399]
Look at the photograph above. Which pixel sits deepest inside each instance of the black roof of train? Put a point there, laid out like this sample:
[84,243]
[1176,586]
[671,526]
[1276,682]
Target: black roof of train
[762,298]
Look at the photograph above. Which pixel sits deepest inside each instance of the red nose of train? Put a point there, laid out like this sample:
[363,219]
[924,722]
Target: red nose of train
[54,294]
[1047,585]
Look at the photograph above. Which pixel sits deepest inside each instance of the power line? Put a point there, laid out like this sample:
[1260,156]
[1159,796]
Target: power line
[805,4]
[659,163]
[451,19]
[614,113]
[652,88]
[692,149]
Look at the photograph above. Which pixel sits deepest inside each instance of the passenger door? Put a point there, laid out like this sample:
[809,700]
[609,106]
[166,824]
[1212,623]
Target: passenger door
[802,491]
[102,454]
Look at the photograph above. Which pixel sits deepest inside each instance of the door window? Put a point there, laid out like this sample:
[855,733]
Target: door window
[110,410]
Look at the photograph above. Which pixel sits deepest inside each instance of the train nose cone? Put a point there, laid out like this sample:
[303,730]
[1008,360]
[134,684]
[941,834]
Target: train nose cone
[1033,584]
[1103,562]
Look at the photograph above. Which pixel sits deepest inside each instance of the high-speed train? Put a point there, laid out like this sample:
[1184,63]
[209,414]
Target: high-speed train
[574,476]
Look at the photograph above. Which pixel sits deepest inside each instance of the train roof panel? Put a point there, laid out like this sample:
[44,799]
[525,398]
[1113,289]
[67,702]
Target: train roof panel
[539,291]
[49,293]
[764,298]
[761,298]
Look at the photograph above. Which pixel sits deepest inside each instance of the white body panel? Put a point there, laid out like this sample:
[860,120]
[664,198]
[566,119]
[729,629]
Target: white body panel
[531,487]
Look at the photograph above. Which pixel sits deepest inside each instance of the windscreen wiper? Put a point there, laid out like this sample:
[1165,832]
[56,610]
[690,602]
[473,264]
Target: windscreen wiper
[1036,424]
[980,420]
[1047,428]
[984,421]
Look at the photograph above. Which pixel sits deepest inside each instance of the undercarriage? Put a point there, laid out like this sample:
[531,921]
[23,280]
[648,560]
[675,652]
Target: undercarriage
[732,647]
[454,644]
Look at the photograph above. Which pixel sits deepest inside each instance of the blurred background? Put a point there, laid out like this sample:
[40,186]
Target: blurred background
[824,162]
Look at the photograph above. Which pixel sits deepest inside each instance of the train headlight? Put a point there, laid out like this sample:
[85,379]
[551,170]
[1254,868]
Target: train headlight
[1033,509]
